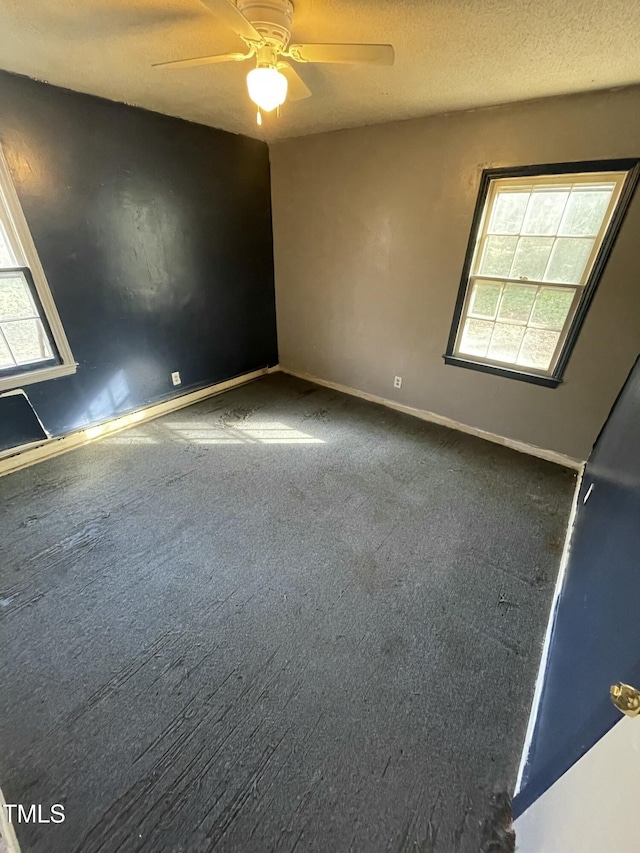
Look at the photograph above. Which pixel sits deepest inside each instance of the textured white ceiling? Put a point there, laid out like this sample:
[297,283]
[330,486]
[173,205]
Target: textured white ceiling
[450,54]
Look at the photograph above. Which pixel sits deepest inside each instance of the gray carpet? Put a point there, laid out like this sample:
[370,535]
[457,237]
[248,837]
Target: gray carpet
[281,620]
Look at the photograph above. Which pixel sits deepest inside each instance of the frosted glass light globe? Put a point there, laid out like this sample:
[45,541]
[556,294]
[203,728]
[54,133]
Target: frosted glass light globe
[267,87]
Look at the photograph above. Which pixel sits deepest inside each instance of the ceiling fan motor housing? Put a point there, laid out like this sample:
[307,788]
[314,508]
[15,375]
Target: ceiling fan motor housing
[271,18]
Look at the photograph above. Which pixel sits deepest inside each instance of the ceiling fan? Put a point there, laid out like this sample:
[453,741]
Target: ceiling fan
[265,27]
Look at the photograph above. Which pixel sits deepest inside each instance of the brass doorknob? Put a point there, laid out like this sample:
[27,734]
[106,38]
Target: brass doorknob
[626,699]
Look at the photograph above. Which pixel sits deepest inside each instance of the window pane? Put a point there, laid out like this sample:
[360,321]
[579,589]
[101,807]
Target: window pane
[5,355]
[533,254]
[585,211]
[15,299]
[531,257]
[552,307]
[545,211]
[505,342]
[517,302]
[7,258]
[27,340]
[476,337]
[484,300]
[508,212]
[538,348]
[568,259]
[498,255]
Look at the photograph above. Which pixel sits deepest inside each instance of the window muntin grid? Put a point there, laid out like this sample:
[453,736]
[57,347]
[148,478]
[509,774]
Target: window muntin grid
[538,240]
[33,344]
[24,340]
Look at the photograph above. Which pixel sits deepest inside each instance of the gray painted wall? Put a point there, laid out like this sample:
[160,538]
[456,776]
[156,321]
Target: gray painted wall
[370,231]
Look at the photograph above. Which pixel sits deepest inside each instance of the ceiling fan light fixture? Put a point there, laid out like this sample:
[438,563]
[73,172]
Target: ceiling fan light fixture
[267,87]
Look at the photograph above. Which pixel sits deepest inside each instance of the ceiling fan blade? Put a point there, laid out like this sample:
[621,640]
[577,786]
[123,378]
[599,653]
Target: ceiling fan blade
[227,12]
[297,89]
[372,54]
[203,60]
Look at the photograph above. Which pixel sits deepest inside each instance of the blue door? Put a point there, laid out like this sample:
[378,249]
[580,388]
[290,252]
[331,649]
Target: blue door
[595,637]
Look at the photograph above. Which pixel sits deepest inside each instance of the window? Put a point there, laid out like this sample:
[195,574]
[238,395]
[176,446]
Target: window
[33,346]
[540,241]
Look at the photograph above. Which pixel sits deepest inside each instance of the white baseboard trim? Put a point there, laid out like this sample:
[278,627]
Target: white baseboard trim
[21,457]
[8,840]
[432,417]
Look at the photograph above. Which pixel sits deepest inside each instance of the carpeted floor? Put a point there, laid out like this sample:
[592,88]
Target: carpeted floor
[281,620]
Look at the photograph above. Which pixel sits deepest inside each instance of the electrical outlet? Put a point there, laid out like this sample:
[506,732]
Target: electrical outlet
[175,378]
[397,382]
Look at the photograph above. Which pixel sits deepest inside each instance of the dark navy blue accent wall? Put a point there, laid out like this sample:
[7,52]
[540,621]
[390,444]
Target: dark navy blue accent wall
[595,635]
[155,236]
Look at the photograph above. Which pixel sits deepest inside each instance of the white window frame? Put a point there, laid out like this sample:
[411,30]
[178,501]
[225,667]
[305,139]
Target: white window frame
[495,181]
[19,236]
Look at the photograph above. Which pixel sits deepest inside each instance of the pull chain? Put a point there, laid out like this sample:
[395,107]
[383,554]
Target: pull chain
[259,118]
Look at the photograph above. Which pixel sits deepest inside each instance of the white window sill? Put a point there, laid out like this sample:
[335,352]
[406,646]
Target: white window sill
[9,383]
